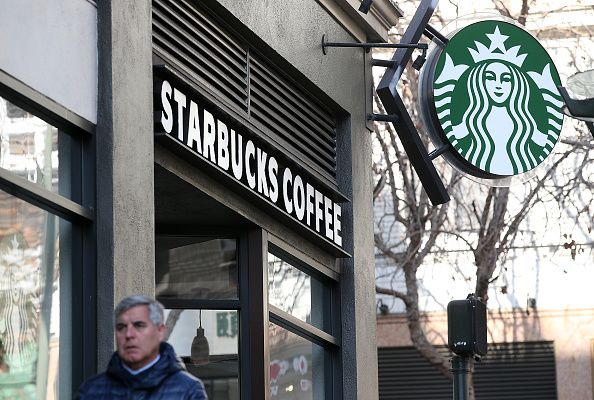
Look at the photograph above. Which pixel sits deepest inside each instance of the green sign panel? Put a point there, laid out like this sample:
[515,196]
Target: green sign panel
[227,324]
[495,99]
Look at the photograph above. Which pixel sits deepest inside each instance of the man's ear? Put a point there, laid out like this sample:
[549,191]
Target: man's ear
[161,330]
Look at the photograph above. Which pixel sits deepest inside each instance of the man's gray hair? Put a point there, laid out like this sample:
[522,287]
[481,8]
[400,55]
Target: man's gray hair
[155,308]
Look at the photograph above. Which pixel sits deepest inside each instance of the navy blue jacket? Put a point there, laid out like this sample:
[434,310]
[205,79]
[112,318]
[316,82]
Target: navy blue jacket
[165,380]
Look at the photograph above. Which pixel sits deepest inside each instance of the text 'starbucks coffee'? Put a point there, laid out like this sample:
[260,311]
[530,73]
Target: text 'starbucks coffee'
[492,93]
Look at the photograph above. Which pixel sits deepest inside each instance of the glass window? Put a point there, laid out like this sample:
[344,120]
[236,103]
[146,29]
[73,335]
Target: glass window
[295,292]
[300,356]
[33,149]
[196,268]
[208,343]
[31,314]
[296,366]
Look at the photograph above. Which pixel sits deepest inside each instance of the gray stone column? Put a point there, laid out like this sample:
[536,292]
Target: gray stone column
[125,184]
[358,273]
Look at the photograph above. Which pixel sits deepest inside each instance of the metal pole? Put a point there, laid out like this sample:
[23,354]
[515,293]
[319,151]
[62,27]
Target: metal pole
[368,46]
[461,370]
[421,46]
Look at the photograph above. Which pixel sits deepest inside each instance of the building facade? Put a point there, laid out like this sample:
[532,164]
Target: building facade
[544,353]
[207,153]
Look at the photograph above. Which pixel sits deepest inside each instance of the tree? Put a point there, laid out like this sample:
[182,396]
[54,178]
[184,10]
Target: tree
[486,221]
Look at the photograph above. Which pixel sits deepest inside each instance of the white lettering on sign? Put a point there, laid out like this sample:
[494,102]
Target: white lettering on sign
[180,99]
[167,114]
[194,128]
[242,159]
[236,158]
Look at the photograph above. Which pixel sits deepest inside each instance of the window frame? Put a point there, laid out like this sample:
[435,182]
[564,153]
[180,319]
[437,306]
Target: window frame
[205,304]
[81,279]
[69,123]
[241,304]
[329,342]
[255,312]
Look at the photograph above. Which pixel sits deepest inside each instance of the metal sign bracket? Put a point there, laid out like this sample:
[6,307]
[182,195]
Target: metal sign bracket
[397,114]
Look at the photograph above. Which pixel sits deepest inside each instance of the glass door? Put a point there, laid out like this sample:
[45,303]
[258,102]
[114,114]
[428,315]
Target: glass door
[197,280]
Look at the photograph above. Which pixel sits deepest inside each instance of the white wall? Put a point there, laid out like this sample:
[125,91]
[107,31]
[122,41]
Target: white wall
[51,45]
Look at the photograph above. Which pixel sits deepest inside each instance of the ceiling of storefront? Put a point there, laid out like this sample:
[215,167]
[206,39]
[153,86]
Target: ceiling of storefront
[179,203]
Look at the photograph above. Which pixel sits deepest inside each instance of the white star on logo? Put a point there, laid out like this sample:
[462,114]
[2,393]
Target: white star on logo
[497,40]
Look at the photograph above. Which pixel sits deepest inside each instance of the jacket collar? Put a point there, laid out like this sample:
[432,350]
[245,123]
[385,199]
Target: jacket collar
[152,377]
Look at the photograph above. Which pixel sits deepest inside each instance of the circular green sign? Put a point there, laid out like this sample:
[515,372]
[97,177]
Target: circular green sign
[495,99]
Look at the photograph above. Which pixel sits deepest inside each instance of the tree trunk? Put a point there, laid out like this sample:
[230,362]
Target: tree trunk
[417,335]
[171,321]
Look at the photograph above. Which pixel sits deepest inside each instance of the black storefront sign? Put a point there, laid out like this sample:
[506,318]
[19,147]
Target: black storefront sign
[184,118]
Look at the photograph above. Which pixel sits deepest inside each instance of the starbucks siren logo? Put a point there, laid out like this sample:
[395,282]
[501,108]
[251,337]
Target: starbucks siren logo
[496,98]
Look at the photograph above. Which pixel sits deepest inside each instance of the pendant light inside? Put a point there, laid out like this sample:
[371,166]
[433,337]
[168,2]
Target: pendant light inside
[200,349]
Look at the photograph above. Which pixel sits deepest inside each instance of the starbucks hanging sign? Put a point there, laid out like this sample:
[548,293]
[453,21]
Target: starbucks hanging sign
[490,94]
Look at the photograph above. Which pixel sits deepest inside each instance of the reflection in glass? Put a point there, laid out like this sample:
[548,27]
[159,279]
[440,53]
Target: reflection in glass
[196,268]
[220,371]
[29,301]
[294,291]
[296,366]
[29,147]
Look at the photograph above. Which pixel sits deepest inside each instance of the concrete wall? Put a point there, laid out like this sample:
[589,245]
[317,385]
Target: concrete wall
[294,30]
[125,194]
[571,330]
[52,47]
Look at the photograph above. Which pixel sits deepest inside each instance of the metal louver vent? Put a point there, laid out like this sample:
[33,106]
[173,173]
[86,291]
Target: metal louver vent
[200,48]
[304,126]
[522,370]
[196,43]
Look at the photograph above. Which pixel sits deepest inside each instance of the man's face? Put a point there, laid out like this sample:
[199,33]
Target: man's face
[137,338]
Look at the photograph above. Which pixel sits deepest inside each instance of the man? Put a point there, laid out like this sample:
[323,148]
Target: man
[144,366]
